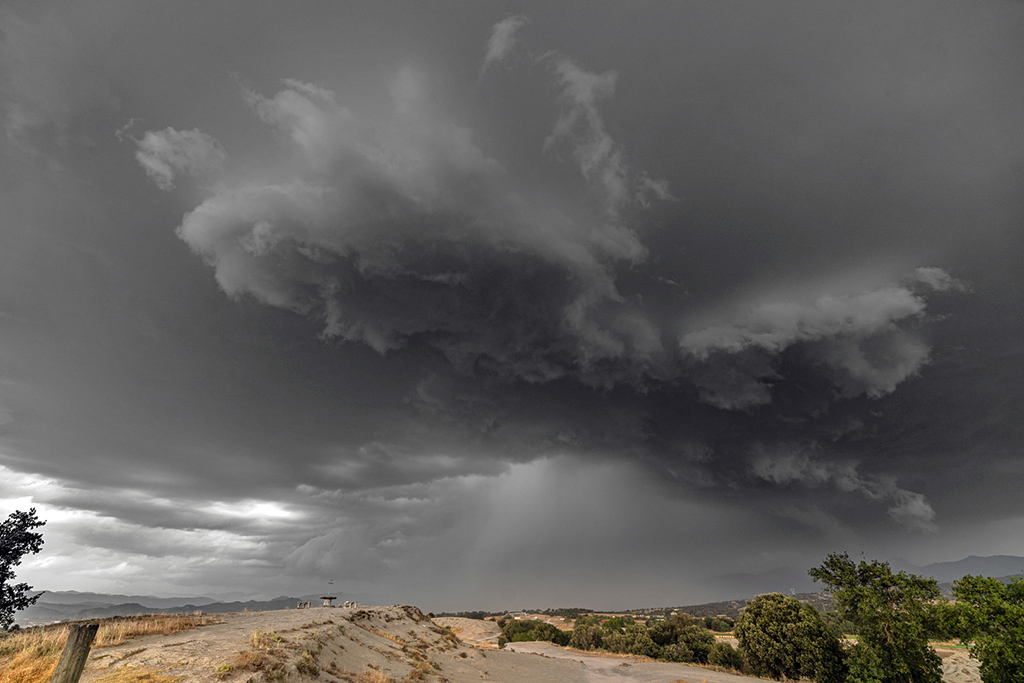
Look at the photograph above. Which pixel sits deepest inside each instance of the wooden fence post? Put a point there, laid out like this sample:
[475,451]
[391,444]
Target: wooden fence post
[76,651]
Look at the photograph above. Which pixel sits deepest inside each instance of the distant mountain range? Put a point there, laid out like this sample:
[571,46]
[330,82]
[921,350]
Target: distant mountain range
[72,606]
[947,572]
[790,580]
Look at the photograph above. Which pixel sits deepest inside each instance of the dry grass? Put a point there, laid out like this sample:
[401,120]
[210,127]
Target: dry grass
[119,629]
[30,656]
[372,676]
[266,640]
[390,636]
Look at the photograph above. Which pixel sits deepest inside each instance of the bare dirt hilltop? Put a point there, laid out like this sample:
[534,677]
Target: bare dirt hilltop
[367,645]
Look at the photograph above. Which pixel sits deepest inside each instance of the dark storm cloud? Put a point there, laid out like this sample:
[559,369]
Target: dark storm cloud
[403,232]
[409,231]
[601,288]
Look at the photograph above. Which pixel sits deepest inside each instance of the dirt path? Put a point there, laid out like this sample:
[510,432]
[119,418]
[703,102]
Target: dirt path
[630,670]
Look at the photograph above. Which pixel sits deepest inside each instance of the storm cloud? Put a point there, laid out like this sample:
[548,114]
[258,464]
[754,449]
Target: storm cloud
[417,299]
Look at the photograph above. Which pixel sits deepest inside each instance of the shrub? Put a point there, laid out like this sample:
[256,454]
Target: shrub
[586,637]
[676,652]
[534,629]
[725,656]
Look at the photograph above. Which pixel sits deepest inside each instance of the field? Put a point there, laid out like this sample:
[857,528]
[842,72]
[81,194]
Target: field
[30,656]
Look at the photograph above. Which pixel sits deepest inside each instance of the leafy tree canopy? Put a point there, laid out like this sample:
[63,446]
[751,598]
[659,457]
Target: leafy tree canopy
[780,637]
[989,614]
[894,615]
[16,540]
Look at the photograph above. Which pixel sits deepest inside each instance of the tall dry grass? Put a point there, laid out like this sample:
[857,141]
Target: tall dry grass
[30,656]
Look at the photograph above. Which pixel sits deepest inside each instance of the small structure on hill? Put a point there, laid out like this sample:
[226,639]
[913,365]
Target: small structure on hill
[351,603]
[328,600]
[302,605]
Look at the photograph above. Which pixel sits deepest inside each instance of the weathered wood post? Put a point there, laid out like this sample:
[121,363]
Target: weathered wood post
[76,651]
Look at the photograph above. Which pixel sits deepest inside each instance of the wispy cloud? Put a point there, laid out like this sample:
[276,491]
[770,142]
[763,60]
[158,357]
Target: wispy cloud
[502,40]
[164,153]
[786,465]
[861,341]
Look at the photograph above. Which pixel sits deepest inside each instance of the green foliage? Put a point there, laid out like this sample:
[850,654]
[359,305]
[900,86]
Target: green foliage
[695,640]
[616,642]
[718,624]
[16,540]
[589,620]
[989,614]
[894,615]
[780,637]
[525,630]
[618,624]
[725,656]
[586,636]
[676,652]
[640,642]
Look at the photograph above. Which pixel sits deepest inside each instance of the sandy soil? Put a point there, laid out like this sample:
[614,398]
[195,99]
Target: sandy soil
[476,632]
[349,644]
[605,669]
[958,667]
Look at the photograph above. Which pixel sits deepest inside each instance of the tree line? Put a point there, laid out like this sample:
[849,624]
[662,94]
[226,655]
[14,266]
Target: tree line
[890,618]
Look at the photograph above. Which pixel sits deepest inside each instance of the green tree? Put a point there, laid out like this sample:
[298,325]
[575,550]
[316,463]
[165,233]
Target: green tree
[894,615]
[989,614]
[526,630]
[781,637]
[16,540]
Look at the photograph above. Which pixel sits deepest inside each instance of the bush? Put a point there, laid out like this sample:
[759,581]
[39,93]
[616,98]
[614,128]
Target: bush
[676,652]
[640,642]
[586,637]
[616,642]
[519,631]
[725,656]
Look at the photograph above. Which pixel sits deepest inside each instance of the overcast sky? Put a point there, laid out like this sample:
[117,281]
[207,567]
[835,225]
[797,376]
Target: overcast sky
[503,304]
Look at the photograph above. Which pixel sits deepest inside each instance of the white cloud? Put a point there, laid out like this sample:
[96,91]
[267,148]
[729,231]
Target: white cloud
[169,151]
[502,40]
